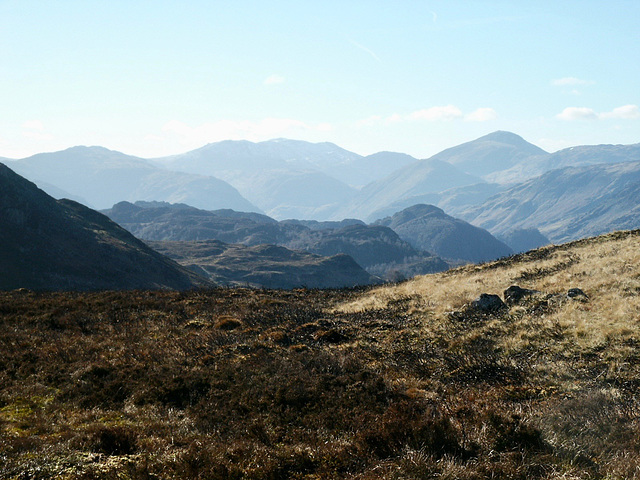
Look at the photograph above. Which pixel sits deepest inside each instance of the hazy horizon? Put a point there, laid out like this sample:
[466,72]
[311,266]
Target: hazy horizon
[159,78]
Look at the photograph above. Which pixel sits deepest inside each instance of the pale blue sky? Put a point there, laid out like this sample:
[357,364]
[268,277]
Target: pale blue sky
[153,78]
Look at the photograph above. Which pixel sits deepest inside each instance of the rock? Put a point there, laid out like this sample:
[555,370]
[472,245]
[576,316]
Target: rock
[577,294]
[488,303]
[514,294]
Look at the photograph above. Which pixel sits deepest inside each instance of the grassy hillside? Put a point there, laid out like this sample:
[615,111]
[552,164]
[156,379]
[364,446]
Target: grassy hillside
[403,381]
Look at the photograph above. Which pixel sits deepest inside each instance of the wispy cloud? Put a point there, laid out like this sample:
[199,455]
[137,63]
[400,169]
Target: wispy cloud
[577,113]
[481,115]
[625,112]
[441,113]
[274,79]
[365,49]
[433,114]
[570,82]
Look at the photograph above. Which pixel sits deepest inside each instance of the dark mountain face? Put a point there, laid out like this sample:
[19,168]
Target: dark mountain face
[428,228]
[62,245]
[370,246]
[165,222]
[267,266]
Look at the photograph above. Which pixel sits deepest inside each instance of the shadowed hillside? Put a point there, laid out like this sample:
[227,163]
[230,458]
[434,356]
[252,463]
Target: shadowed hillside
[377,249]
[415,380]
[63,245]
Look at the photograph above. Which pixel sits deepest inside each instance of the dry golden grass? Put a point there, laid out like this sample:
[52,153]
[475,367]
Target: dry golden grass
[606,268]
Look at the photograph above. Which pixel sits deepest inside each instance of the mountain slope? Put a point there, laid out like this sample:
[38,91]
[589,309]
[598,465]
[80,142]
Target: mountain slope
[104,177]
[567,204]
[62,245]
[405,381]
[569,157]
[370,246]
[428,228]
[285,178]
[494,152]
[419,178]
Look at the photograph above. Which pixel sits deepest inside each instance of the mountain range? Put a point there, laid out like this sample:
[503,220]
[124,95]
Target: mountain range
[99,177]
[521,194]
[375,248]
[49,244]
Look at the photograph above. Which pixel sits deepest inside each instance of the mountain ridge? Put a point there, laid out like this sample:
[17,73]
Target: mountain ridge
[104,177]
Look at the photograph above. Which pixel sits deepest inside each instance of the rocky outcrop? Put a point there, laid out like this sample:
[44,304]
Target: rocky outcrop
[488,303]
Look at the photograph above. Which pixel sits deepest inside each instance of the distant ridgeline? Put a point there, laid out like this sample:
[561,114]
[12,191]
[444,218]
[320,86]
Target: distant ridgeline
[520,194]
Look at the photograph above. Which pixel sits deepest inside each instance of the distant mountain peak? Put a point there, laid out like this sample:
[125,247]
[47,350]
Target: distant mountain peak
[504,136]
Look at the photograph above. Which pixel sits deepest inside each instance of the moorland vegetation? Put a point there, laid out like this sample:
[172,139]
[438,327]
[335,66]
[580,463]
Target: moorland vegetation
[399,381]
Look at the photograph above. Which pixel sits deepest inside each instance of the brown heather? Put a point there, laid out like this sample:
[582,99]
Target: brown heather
[379,383]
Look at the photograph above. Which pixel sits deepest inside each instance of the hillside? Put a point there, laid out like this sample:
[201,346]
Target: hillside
[103,177]
[403,381]
[418,178]
[582,155]
[568,203]
[428,228]
[265,266]
[62,245]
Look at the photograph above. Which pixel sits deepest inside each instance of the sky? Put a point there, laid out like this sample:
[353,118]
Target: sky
[155,78]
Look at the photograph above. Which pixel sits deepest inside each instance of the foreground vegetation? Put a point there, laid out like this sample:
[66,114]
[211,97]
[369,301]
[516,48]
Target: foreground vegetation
[404,381]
